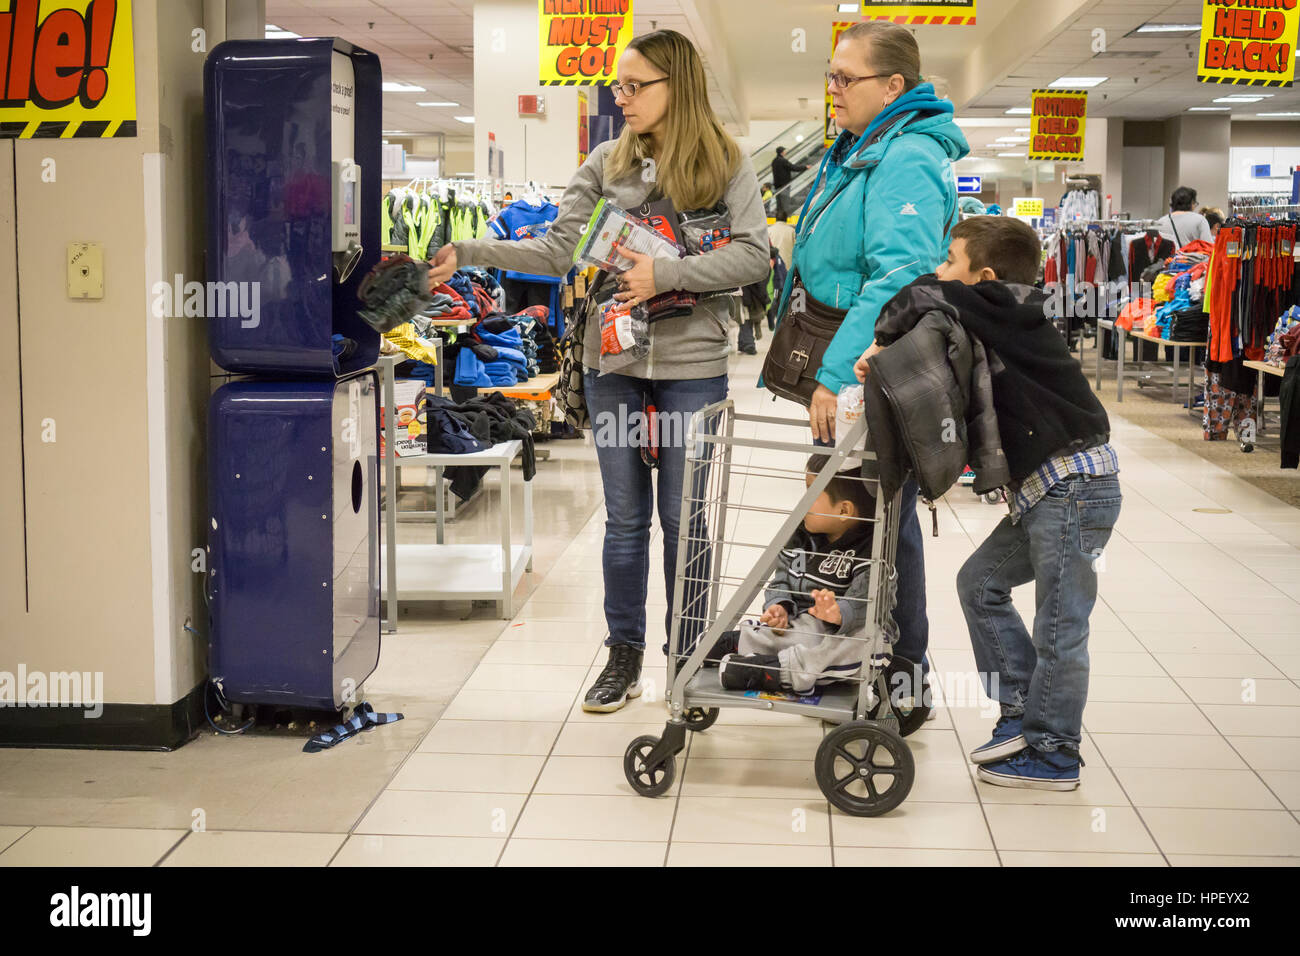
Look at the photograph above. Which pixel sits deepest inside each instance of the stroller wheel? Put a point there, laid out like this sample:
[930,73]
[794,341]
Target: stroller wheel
[648,781]
[993,497]
[864,769]
[701,718]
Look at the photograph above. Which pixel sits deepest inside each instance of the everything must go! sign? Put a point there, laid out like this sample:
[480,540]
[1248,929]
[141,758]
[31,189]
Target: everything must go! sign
[67,69]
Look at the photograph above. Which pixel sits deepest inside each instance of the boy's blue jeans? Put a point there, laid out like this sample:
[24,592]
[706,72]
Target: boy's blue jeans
[630,497]
[1055,544]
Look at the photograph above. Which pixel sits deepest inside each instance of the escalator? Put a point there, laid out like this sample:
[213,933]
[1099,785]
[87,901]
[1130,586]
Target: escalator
[803,147]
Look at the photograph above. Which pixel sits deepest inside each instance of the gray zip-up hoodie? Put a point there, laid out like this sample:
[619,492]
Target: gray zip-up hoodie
[690,346]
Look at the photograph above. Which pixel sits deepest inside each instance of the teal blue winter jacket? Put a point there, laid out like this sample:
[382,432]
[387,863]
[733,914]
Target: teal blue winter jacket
[876,218]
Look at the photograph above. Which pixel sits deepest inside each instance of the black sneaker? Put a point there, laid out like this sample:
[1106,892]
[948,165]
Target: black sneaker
[619,681]
[728,643]
[751,672]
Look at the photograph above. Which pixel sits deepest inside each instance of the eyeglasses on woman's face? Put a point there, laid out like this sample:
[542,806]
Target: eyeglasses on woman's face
[629,90]
[843,81]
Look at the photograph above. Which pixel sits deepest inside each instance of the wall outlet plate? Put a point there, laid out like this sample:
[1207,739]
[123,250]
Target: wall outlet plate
[85,270]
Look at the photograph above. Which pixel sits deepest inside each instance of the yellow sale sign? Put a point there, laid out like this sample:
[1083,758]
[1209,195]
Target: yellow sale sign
[581,40]
[67,69]
[954,13]
[831,130]
[1251,42]
[1057,127]
[1027,208]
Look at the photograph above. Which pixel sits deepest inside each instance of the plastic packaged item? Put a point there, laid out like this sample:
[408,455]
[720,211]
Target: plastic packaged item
[611,227]
[849,408]
[704,230]
[624,336]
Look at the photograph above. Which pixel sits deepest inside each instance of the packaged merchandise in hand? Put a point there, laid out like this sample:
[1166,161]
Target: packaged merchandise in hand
[704,230]
[609,229]
[624,336]
[848,410]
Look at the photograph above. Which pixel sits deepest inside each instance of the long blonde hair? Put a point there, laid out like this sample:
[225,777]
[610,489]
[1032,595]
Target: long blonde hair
[697,158]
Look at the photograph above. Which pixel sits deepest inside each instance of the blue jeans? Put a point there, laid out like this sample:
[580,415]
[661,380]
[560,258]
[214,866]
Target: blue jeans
[1043,678]
[630,496]
[909,562]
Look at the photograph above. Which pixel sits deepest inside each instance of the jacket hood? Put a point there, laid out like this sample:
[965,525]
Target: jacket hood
[1018,306]
[920,111]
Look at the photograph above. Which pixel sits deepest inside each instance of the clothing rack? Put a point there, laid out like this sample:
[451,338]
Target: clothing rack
[1290,207]
[1265,198]
[1084,223]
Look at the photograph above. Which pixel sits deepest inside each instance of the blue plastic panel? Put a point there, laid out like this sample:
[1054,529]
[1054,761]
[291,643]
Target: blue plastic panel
[267,105]
[293,532]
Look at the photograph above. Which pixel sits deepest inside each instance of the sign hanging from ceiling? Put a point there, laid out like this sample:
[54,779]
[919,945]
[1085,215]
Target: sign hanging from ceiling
[67,69]
[953,13]
[830,130]
[1251,42]
[581,40]
[1056,130]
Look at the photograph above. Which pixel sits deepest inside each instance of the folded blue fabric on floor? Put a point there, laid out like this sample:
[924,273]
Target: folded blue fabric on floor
[470,371]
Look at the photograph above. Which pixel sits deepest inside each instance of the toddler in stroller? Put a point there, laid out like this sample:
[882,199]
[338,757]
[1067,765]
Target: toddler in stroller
[813,625]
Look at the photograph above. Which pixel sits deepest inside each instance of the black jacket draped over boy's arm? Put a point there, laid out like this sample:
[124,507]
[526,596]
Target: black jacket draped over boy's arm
[1043,401]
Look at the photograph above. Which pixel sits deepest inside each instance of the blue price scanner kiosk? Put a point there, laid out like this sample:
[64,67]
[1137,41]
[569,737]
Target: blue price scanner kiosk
[293,161]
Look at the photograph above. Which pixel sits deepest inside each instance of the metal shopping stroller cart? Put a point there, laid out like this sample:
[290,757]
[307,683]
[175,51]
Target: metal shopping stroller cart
[727,549]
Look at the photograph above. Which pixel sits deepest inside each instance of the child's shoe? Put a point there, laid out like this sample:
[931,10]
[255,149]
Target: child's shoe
[1034,770]
[1008,740]
[752,672]
[728,643]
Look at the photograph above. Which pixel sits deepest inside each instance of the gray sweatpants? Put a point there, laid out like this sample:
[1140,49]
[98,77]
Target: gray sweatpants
[810,651]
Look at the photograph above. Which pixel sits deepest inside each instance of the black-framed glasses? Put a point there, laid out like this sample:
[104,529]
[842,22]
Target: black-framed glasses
[844,81]
[630,90]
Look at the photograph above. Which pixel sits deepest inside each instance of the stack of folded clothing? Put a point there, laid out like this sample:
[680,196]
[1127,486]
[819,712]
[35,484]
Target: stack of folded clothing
[481,304]
[1189,325]
[533,322]
[490,358]
[488,284]
[447,304]
[511,366]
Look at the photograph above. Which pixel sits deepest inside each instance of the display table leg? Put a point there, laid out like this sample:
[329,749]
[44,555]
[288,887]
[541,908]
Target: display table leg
[507,556]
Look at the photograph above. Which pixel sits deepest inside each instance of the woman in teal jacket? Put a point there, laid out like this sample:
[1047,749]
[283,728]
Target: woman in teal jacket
[878,217]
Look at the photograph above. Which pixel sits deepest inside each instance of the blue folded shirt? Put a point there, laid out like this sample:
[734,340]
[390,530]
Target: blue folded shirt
[470,371]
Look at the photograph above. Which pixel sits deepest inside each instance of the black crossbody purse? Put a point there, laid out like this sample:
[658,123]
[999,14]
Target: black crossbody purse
[799,345]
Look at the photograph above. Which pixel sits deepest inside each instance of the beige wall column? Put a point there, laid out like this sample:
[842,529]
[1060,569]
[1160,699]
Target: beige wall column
[99,523]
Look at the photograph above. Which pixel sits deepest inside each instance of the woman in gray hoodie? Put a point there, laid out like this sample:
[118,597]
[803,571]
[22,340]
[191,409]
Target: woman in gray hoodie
[672,147]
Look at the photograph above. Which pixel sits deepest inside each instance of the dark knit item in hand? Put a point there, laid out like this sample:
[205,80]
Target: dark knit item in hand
[393,291]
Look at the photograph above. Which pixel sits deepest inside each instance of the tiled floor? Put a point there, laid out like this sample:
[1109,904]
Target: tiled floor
[1192,739]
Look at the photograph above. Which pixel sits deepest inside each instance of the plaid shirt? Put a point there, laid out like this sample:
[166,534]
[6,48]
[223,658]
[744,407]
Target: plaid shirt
[1098,460]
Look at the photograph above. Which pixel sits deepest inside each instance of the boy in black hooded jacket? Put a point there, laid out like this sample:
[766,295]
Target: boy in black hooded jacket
[1064,499]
